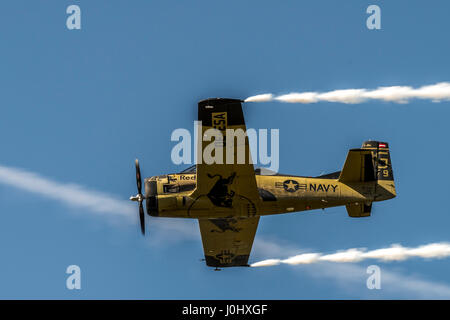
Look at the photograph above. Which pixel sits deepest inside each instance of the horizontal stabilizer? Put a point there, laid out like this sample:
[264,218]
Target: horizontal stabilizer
[359,210]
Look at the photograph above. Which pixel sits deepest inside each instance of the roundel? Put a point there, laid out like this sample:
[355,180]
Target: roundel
[290,185]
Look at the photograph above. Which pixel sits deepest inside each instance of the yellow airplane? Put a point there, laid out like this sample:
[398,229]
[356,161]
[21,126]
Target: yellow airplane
[228,199]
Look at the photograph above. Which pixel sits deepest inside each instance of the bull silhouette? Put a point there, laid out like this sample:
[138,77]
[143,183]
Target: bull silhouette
[221,194]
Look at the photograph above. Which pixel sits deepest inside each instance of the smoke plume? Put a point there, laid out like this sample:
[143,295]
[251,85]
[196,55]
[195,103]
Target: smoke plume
[399,94]
[394,253]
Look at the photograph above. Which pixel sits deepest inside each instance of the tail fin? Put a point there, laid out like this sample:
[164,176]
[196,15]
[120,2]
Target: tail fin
[358,167]
[371,164]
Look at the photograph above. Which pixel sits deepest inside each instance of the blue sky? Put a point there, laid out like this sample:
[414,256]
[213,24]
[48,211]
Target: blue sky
[78,106]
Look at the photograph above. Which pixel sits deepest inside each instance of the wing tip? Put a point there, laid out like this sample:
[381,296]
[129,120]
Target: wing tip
[217,101]
[237,261]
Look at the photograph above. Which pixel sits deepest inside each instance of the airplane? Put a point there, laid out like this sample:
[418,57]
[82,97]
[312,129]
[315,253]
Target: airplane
[229,199]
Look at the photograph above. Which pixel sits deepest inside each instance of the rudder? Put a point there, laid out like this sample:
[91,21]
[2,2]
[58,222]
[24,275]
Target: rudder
[385,187]
[382,159]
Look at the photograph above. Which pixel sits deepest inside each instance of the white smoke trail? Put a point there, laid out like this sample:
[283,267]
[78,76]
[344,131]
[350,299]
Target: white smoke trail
[394,253]
[70,194]
[399,94]
[349,276]
[260,98]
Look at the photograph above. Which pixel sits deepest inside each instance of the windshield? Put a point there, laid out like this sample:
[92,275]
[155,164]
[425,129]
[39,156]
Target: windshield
[264,172]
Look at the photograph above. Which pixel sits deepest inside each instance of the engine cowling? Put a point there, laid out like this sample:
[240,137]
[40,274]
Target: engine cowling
[151,197]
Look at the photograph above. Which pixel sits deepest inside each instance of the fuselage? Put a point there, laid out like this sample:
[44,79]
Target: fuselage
[278,194]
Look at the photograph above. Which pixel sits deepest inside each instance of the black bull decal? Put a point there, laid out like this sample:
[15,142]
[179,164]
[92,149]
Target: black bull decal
[221,194]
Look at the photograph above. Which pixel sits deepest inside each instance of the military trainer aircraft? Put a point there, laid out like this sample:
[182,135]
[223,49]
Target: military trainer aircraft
[229,199]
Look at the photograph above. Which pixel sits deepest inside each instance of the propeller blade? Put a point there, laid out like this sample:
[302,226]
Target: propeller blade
[142,217]
[139,197]
[138,177]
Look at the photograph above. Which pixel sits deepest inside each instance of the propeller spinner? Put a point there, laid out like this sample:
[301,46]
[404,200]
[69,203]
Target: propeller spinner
[139,197]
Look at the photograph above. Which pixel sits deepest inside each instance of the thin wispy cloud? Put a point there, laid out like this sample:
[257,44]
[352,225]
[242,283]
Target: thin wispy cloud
[67,193]
[110,207]
[398,94]
[352,278]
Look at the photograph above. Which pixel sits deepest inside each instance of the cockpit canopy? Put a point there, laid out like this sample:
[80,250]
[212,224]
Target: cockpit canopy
[258,171]
[191,169]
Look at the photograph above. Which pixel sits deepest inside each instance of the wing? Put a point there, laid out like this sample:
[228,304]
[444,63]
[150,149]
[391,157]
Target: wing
[226,175]
[228,242]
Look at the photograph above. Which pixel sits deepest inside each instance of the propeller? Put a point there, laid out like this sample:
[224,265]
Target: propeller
[139,197]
